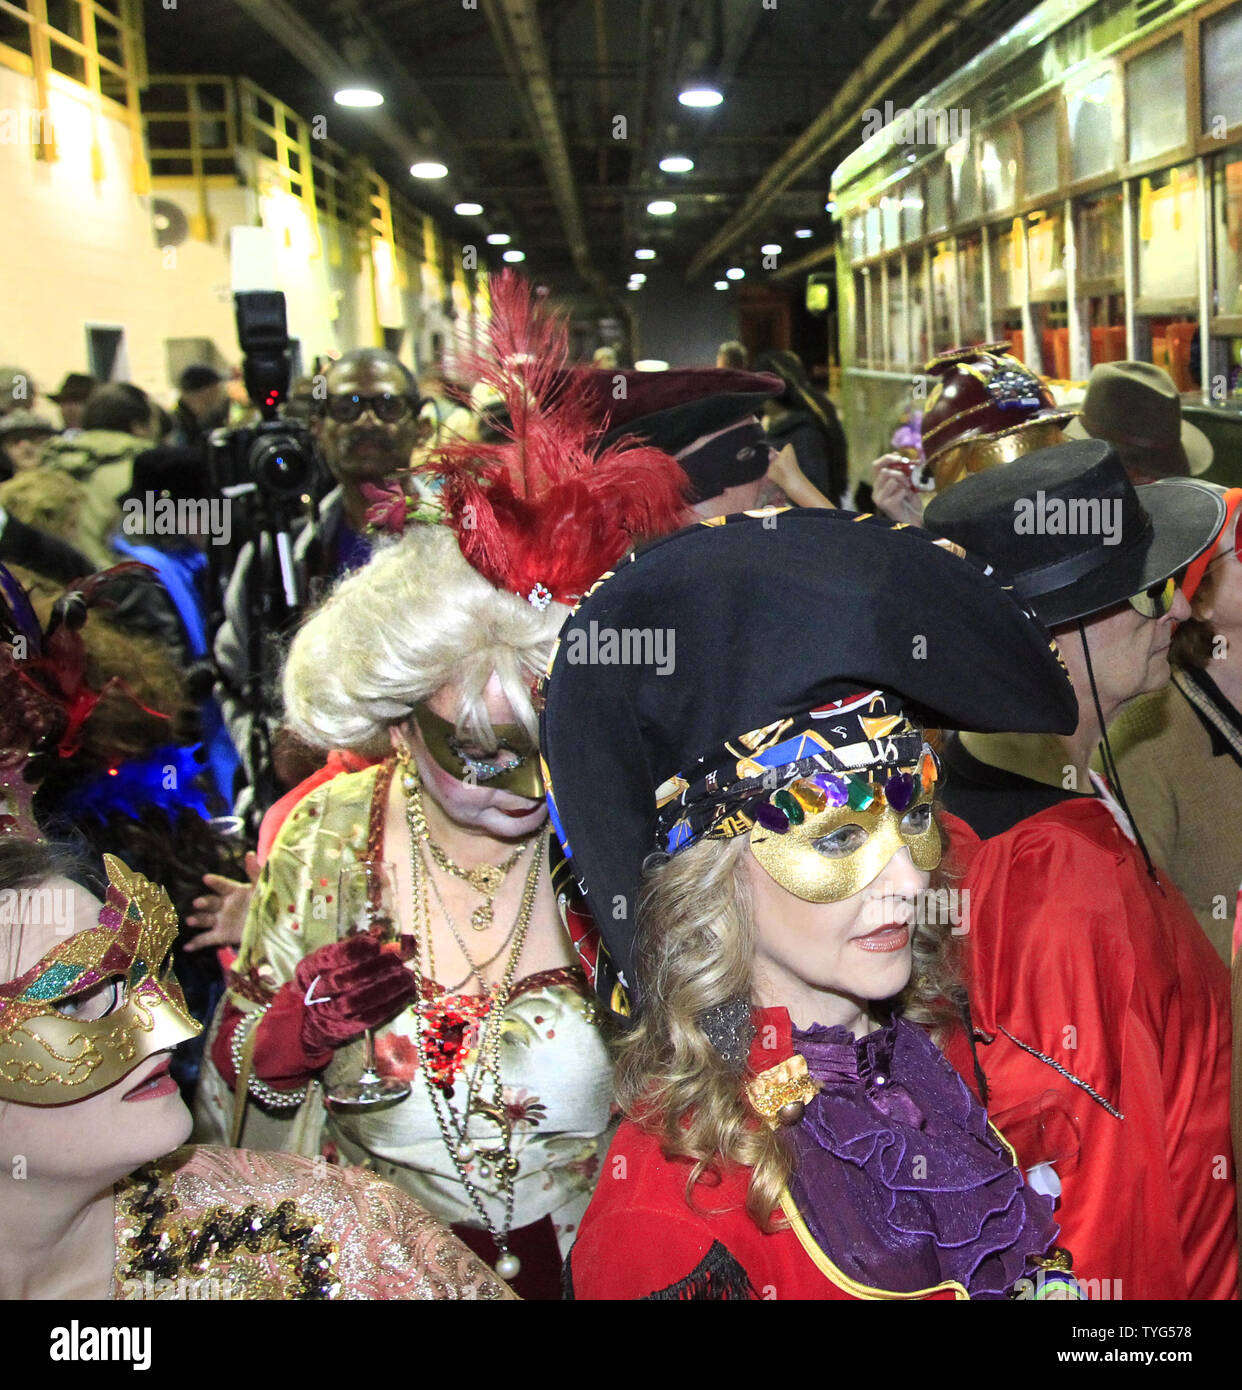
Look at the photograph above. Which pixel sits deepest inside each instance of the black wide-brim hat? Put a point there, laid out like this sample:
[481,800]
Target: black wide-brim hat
[765,617]
[1070,531]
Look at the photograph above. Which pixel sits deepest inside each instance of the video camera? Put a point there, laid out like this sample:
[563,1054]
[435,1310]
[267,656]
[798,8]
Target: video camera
[274,459]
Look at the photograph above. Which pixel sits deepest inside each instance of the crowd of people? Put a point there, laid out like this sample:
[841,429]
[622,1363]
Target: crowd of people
[615,866]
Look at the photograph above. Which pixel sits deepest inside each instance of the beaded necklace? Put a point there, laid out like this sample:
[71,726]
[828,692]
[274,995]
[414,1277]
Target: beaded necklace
[497,1161]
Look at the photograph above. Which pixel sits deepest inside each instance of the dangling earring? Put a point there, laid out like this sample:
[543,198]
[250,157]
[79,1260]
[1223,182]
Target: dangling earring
[405,761]
[728,1028]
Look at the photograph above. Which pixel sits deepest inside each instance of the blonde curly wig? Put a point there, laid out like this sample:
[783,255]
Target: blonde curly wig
[696,950]
[415,619]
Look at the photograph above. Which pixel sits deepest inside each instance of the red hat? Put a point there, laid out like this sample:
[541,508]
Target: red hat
[986,408]
[548,510]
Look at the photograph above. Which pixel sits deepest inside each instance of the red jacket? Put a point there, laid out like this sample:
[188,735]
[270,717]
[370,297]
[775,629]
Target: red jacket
[1076,953]
[640,1239]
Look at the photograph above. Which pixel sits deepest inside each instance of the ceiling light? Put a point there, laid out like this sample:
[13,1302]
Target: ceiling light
[428,169]
[661,208]
[722,284]
[633,286]
[700,94]
[644,253]
[676,164]
[735,273]
[468,209]
[498,238]
[358,96]
[830,206]
[650,364]
[770,248]
[638,278]
[803,232]
[515,256]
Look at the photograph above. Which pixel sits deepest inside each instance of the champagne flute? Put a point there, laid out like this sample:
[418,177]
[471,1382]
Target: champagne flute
[367,903]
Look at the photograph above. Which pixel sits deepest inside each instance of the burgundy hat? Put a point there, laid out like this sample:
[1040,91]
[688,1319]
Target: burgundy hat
[984,396]
[704,416]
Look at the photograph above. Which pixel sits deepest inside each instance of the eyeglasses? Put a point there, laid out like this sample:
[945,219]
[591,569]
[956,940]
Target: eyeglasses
[388,409]
[1156,601]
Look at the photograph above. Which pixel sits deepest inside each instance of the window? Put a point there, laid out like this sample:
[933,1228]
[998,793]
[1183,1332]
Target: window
[912,212]
[998,167]
[890,216]
[944,292]
[1099,239]
[970,266]
[1227,233]
[1156,101]
[1006,269]
[898,347]
[1041,167]
[1221,39]
[965,175]
[1045,244]
[938,198]
[1089,111]
[1167,226]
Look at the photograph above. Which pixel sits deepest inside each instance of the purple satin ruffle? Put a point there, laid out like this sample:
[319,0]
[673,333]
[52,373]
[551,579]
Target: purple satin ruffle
[898,1177]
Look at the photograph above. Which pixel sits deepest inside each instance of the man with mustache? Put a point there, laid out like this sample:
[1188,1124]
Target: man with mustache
[365,428]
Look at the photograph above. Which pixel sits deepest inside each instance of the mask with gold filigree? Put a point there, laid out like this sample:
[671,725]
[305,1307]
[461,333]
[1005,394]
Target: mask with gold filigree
[97,1005]
[827,799]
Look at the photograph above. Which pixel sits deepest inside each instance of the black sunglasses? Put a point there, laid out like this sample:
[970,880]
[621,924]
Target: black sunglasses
[386,408]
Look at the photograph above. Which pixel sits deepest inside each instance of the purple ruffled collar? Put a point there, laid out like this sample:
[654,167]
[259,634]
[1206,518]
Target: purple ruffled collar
[898,1177]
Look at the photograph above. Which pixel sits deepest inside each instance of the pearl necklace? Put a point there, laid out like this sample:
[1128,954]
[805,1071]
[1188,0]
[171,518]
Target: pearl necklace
[454,1132]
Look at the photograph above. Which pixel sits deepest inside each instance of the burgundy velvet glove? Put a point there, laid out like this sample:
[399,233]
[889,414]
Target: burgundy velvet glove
[360,986]
[347,987]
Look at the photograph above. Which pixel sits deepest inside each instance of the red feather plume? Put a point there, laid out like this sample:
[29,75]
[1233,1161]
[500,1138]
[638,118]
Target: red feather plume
[545,511]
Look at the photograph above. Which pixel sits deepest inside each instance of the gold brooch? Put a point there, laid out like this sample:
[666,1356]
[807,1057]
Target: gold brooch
[781,1093]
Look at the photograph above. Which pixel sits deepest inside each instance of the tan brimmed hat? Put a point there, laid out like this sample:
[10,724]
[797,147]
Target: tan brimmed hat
[1135,406]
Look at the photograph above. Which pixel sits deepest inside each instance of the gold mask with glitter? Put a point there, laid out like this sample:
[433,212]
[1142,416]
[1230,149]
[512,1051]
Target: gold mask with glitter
[522,777]
[50,1057]
[834,853]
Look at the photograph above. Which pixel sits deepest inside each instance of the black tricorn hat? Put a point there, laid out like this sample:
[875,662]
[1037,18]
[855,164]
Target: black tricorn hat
[1070,531]
[766,616]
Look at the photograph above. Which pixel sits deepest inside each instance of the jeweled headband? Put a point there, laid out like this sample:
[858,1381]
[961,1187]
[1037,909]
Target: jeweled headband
[50,1057]
[851,752]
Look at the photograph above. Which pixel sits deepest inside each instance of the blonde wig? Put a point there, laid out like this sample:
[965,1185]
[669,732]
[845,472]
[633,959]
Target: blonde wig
[696,950]
[415,619]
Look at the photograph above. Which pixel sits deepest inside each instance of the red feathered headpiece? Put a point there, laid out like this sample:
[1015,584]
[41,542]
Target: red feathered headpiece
[544,513]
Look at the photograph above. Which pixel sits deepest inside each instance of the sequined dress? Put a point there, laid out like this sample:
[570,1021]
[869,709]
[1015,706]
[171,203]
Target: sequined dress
[210,1224]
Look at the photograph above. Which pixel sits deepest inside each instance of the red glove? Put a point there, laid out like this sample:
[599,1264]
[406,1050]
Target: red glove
[347,987]
[336,993]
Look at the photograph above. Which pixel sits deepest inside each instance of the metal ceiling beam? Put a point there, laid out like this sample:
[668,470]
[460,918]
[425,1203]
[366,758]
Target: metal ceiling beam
[515,27]
[916,34]
[324,62]
[810,261]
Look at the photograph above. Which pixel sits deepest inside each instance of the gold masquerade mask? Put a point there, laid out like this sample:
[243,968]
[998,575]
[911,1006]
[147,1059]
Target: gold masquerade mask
[827,852]
[522,776]
[53,1049]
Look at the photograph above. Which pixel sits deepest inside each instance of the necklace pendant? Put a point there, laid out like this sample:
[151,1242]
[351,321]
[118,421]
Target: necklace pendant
[486,879]
[481,917]
[508,1266]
